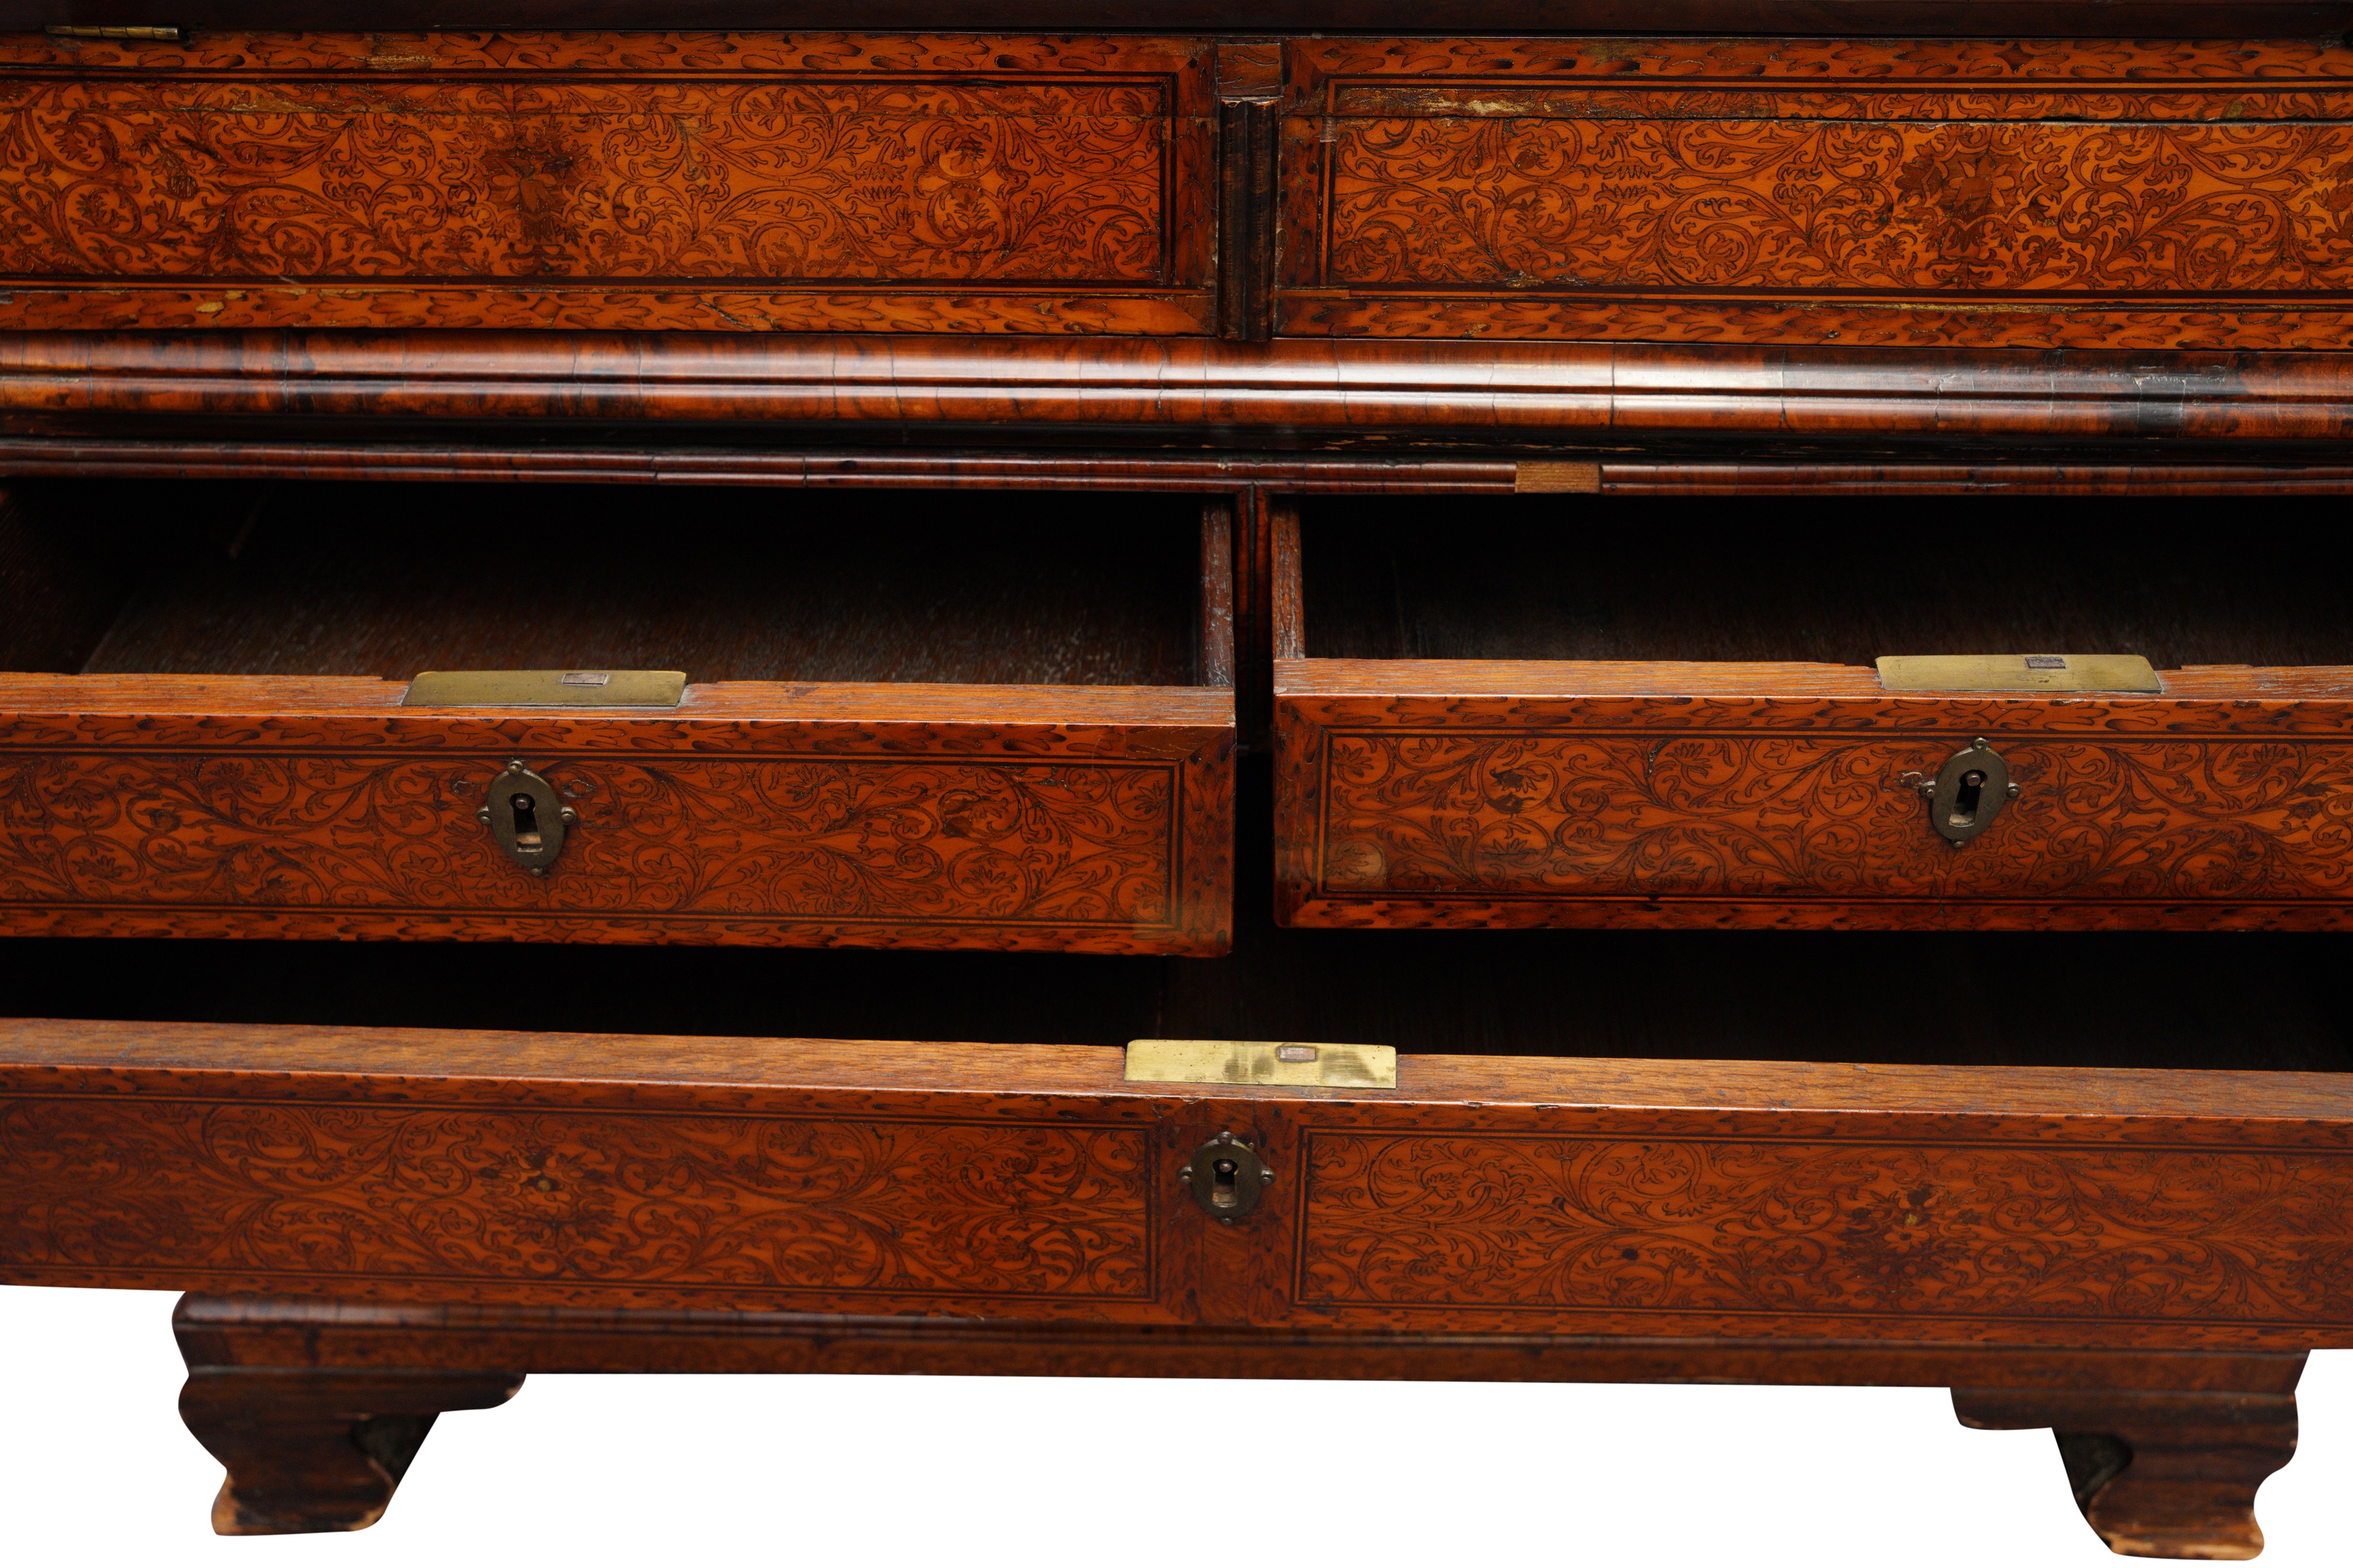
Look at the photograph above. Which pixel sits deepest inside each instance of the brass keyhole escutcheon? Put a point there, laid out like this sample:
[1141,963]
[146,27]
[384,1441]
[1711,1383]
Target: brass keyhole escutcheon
[526,818]
[1227,1177]
[1968,793]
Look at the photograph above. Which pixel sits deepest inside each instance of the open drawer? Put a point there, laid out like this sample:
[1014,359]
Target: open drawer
[1541,1194]
[901,722]
[1596,721]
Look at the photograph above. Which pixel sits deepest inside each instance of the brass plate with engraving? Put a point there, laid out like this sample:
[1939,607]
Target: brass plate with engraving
[1300,1064]
[2018,672]
[546,689]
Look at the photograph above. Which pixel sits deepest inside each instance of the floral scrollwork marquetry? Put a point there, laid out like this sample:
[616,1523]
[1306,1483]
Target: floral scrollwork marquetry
[712,838]
[1734,816]
[1792,1228]
[2069,194]
[2034,208]
[646,181]
[418,1194]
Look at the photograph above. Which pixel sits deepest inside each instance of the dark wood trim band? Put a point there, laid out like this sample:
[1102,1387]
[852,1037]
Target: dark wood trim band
[2173,18]
[316,1406]
[263,1332]
[1522,394]
[32,456]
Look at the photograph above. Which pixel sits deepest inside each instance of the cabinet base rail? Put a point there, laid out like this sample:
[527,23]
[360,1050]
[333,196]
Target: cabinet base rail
[315,1407]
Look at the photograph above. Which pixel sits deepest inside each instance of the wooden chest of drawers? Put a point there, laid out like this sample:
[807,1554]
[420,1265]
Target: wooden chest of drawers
[1144,488]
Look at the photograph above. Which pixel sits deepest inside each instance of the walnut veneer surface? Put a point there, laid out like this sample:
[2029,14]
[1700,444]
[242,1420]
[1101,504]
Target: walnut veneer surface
[2046,192]
[2053,193]
[646,181]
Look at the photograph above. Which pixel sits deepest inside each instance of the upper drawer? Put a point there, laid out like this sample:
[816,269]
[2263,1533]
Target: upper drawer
[1510,718]
[2034,194]
[914,721]
[641,181]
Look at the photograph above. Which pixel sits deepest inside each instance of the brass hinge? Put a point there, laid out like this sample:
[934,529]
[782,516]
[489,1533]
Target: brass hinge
[128,34]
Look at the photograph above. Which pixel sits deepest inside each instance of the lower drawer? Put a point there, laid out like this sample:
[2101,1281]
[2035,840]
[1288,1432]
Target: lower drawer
[913,738]
[1994,1206]
[1578,725]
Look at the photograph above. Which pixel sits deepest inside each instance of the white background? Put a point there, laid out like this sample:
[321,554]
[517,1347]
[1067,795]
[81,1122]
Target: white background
[95,1468]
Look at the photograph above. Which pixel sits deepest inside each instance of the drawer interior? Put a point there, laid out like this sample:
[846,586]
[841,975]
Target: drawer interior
[387,579]
[1528,578]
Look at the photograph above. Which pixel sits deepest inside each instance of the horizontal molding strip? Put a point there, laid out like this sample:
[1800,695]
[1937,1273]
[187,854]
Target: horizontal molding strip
[1526,393]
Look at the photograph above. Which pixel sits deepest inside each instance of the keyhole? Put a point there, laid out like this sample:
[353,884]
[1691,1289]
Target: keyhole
[1965,799]
[1221,1176]
[526,821]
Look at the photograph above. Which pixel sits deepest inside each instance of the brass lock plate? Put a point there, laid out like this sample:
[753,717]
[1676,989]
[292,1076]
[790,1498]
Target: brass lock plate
[1227,1177]
[526,818]
[2018,672]
[1299,1064]
[546,689]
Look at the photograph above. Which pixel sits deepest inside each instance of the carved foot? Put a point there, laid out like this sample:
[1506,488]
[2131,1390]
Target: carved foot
[2156,1474]
[313,1450]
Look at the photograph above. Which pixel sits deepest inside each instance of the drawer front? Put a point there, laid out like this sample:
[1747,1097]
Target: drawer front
[1090,819]
[1498,794]
[1530,1194]
[631,181]
[2035,194]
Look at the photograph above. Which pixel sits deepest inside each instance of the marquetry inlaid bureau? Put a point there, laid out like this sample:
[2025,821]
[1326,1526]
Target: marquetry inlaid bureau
[1492,689]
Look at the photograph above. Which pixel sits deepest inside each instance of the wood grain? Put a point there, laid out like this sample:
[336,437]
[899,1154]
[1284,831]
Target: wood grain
[1993,1207]
[2060,194]
[1478,794]
[1765,478]
[1245,395]
[387,580]
[1096,819]
[711,182]
[1552,579]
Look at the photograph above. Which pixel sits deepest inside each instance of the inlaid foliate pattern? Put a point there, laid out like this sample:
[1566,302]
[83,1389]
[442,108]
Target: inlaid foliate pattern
[1796,205]
[419,1195]
[2082,194]
[1781,816]
[1789,1228]
[682,838]
[649,181]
